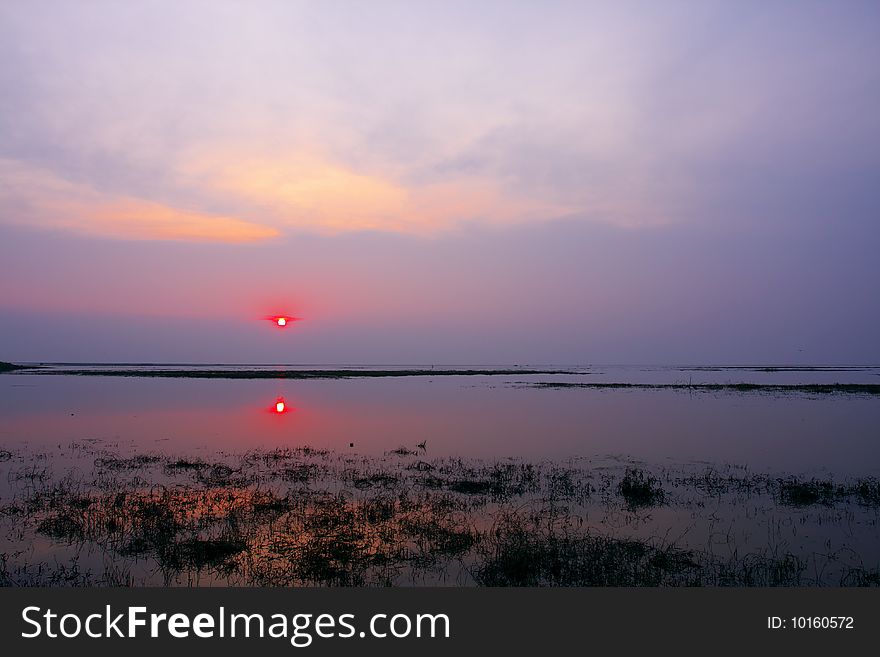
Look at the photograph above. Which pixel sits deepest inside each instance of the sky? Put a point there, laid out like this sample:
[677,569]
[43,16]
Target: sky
[440,182]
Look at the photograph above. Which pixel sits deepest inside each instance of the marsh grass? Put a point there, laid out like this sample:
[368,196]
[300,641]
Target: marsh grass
[801,493]
[767,388]
[640,489]
[303,516]
[298,374]
[12,367]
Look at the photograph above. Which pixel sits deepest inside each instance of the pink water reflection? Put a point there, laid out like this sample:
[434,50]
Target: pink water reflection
[473,418]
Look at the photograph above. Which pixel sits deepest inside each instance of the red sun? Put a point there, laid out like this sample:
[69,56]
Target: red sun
[282,321]
[280,407]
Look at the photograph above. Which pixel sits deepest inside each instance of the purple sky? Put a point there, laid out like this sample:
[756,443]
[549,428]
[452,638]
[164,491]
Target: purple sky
[629,182]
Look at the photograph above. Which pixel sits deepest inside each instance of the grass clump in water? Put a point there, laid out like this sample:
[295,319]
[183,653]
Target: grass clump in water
[640,489]
[794,492]
[201,553]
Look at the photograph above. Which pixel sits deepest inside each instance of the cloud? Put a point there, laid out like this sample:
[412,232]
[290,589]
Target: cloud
[308,192]
[260,198]
[39,198]
[237,125]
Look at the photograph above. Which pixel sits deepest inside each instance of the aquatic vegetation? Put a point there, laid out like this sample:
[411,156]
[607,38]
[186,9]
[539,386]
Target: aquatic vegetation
[303,516]
[272,374]
[803,493]
[640,489]
[12,367]
[769,388]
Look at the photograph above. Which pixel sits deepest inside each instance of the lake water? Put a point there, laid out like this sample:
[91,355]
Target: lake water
[475,416]
[269,481]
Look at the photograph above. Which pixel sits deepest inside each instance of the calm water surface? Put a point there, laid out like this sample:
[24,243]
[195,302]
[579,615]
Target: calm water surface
[479,416]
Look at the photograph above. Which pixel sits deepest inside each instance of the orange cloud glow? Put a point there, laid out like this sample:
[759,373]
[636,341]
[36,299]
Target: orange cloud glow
[314,194]
[46,200]
[261,197]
